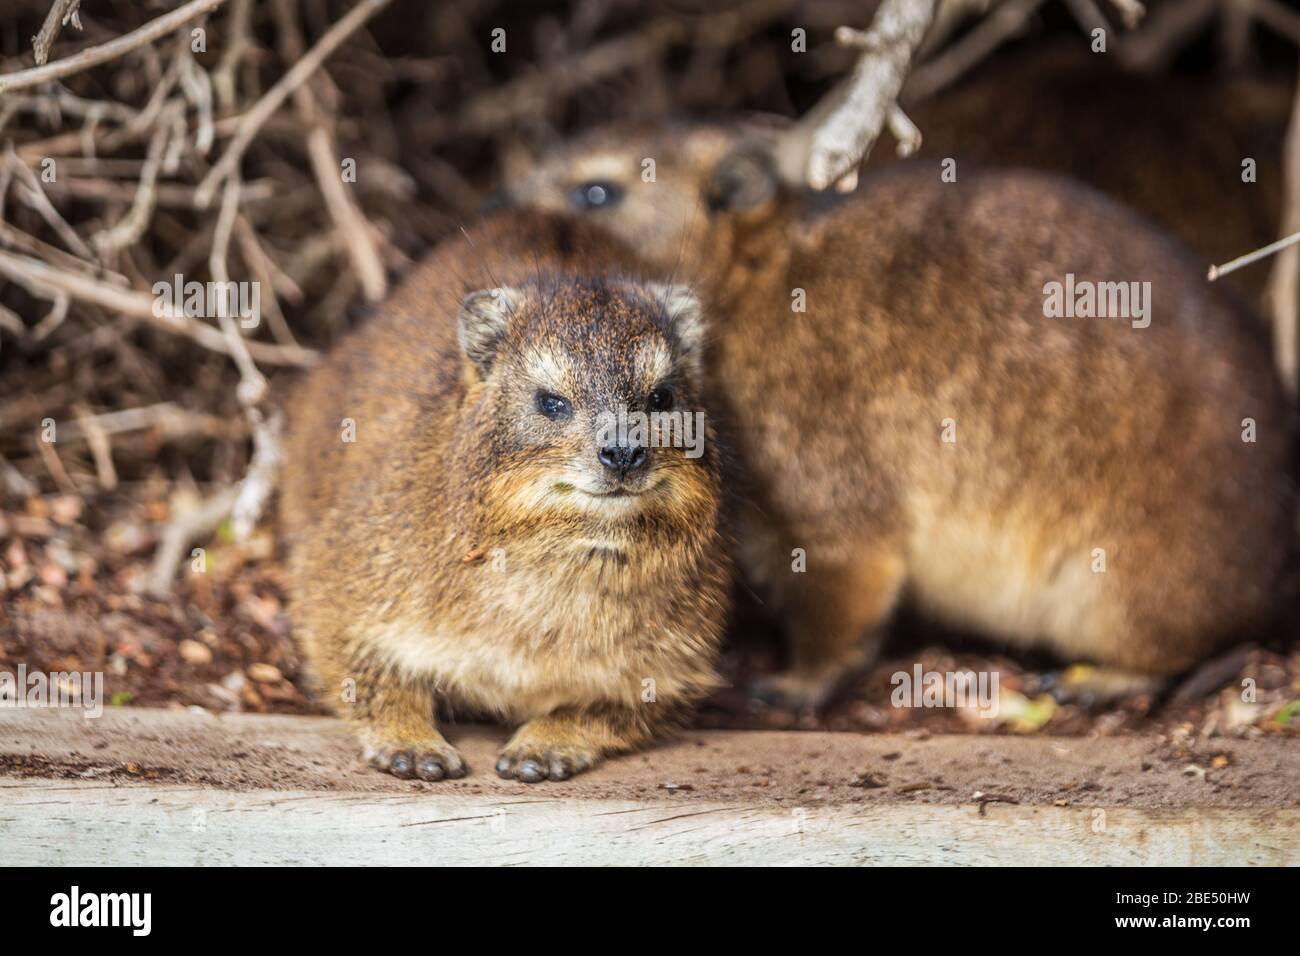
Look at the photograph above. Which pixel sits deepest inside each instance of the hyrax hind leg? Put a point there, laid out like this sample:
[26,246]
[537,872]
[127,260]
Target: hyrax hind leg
[1142,628]
[570,740]
[834,616]
[1089,685]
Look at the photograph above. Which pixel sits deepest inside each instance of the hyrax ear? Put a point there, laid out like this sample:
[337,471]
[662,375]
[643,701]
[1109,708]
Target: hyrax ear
[686,318]
[484,316]
[743,179]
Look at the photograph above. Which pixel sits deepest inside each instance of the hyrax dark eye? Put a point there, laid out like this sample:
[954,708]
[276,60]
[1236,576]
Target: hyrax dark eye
[661,399]
[597,195]
[553,406]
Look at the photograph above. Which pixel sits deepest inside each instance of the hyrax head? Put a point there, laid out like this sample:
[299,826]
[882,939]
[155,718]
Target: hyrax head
[655,187]
[589,393]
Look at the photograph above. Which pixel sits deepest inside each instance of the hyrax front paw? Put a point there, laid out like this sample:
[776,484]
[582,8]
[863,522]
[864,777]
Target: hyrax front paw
[424,760]
[535,764]
[536,753]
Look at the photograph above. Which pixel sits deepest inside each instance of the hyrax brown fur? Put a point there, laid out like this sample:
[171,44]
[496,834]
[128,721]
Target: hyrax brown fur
[1117,493]
[1208,126]
[463,531]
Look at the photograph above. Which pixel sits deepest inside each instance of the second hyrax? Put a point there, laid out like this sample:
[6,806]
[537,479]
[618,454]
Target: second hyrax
[965,393]
[465,529]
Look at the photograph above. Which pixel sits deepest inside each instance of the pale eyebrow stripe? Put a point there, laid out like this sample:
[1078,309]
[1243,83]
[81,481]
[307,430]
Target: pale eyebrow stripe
[656,362]
[602,166]
[547,369]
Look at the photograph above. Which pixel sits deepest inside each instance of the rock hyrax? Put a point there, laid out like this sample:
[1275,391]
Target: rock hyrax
[933,399]
[466,529]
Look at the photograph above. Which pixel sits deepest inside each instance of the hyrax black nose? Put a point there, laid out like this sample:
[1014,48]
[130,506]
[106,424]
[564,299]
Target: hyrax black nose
[623,459]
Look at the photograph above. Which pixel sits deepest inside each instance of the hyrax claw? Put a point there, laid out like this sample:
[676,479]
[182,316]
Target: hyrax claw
[535,765]
[441,763]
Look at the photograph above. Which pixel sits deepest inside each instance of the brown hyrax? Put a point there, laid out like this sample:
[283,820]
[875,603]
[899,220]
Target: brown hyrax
[467,528]
[1208,171]
[930,403]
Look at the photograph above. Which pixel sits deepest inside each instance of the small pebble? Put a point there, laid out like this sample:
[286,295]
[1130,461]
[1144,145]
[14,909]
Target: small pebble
[192,652]
[265,673]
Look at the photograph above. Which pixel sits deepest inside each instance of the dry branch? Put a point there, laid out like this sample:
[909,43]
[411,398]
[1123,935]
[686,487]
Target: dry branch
[518,99]
[1131,12]
[352,227]
[1277,17]
[95,55]
[1005,21]
[1218,272]
[195,524]
[251,122]
[1284,283]
[141,305]
[1165,32]
[62,12]
[133,224]
[826,147]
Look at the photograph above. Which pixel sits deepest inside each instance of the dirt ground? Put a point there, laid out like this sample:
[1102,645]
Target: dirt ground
[72,598]
[242,753]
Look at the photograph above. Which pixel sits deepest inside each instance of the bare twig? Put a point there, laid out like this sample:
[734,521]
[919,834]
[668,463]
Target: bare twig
[1089,16]
[274,281]
[95,55]
[169,419]
[236,48]
[58,312]
[352,227]
[1278,18]
[54,465]
[260,480]
[1218,272]
[197,523]
[101,448]
[62,12]
[140,305]
[274,98]
[1284,283]
[252,385]
[35,197]
[197,87]
[132,225]
[827,145]
[1131,12]
[904,130]
[509,102]
[1164,33]
[62,102]
[1005,21]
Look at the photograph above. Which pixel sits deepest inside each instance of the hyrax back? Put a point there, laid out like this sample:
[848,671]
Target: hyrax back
[465,528]
[1185,172]
[918,421]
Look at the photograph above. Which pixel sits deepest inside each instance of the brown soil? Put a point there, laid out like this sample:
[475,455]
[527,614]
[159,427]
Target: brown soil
[242,752]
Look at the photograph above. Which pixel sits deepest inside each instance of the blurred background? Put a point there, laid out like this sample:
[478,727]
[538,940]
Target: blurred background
[319,147]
